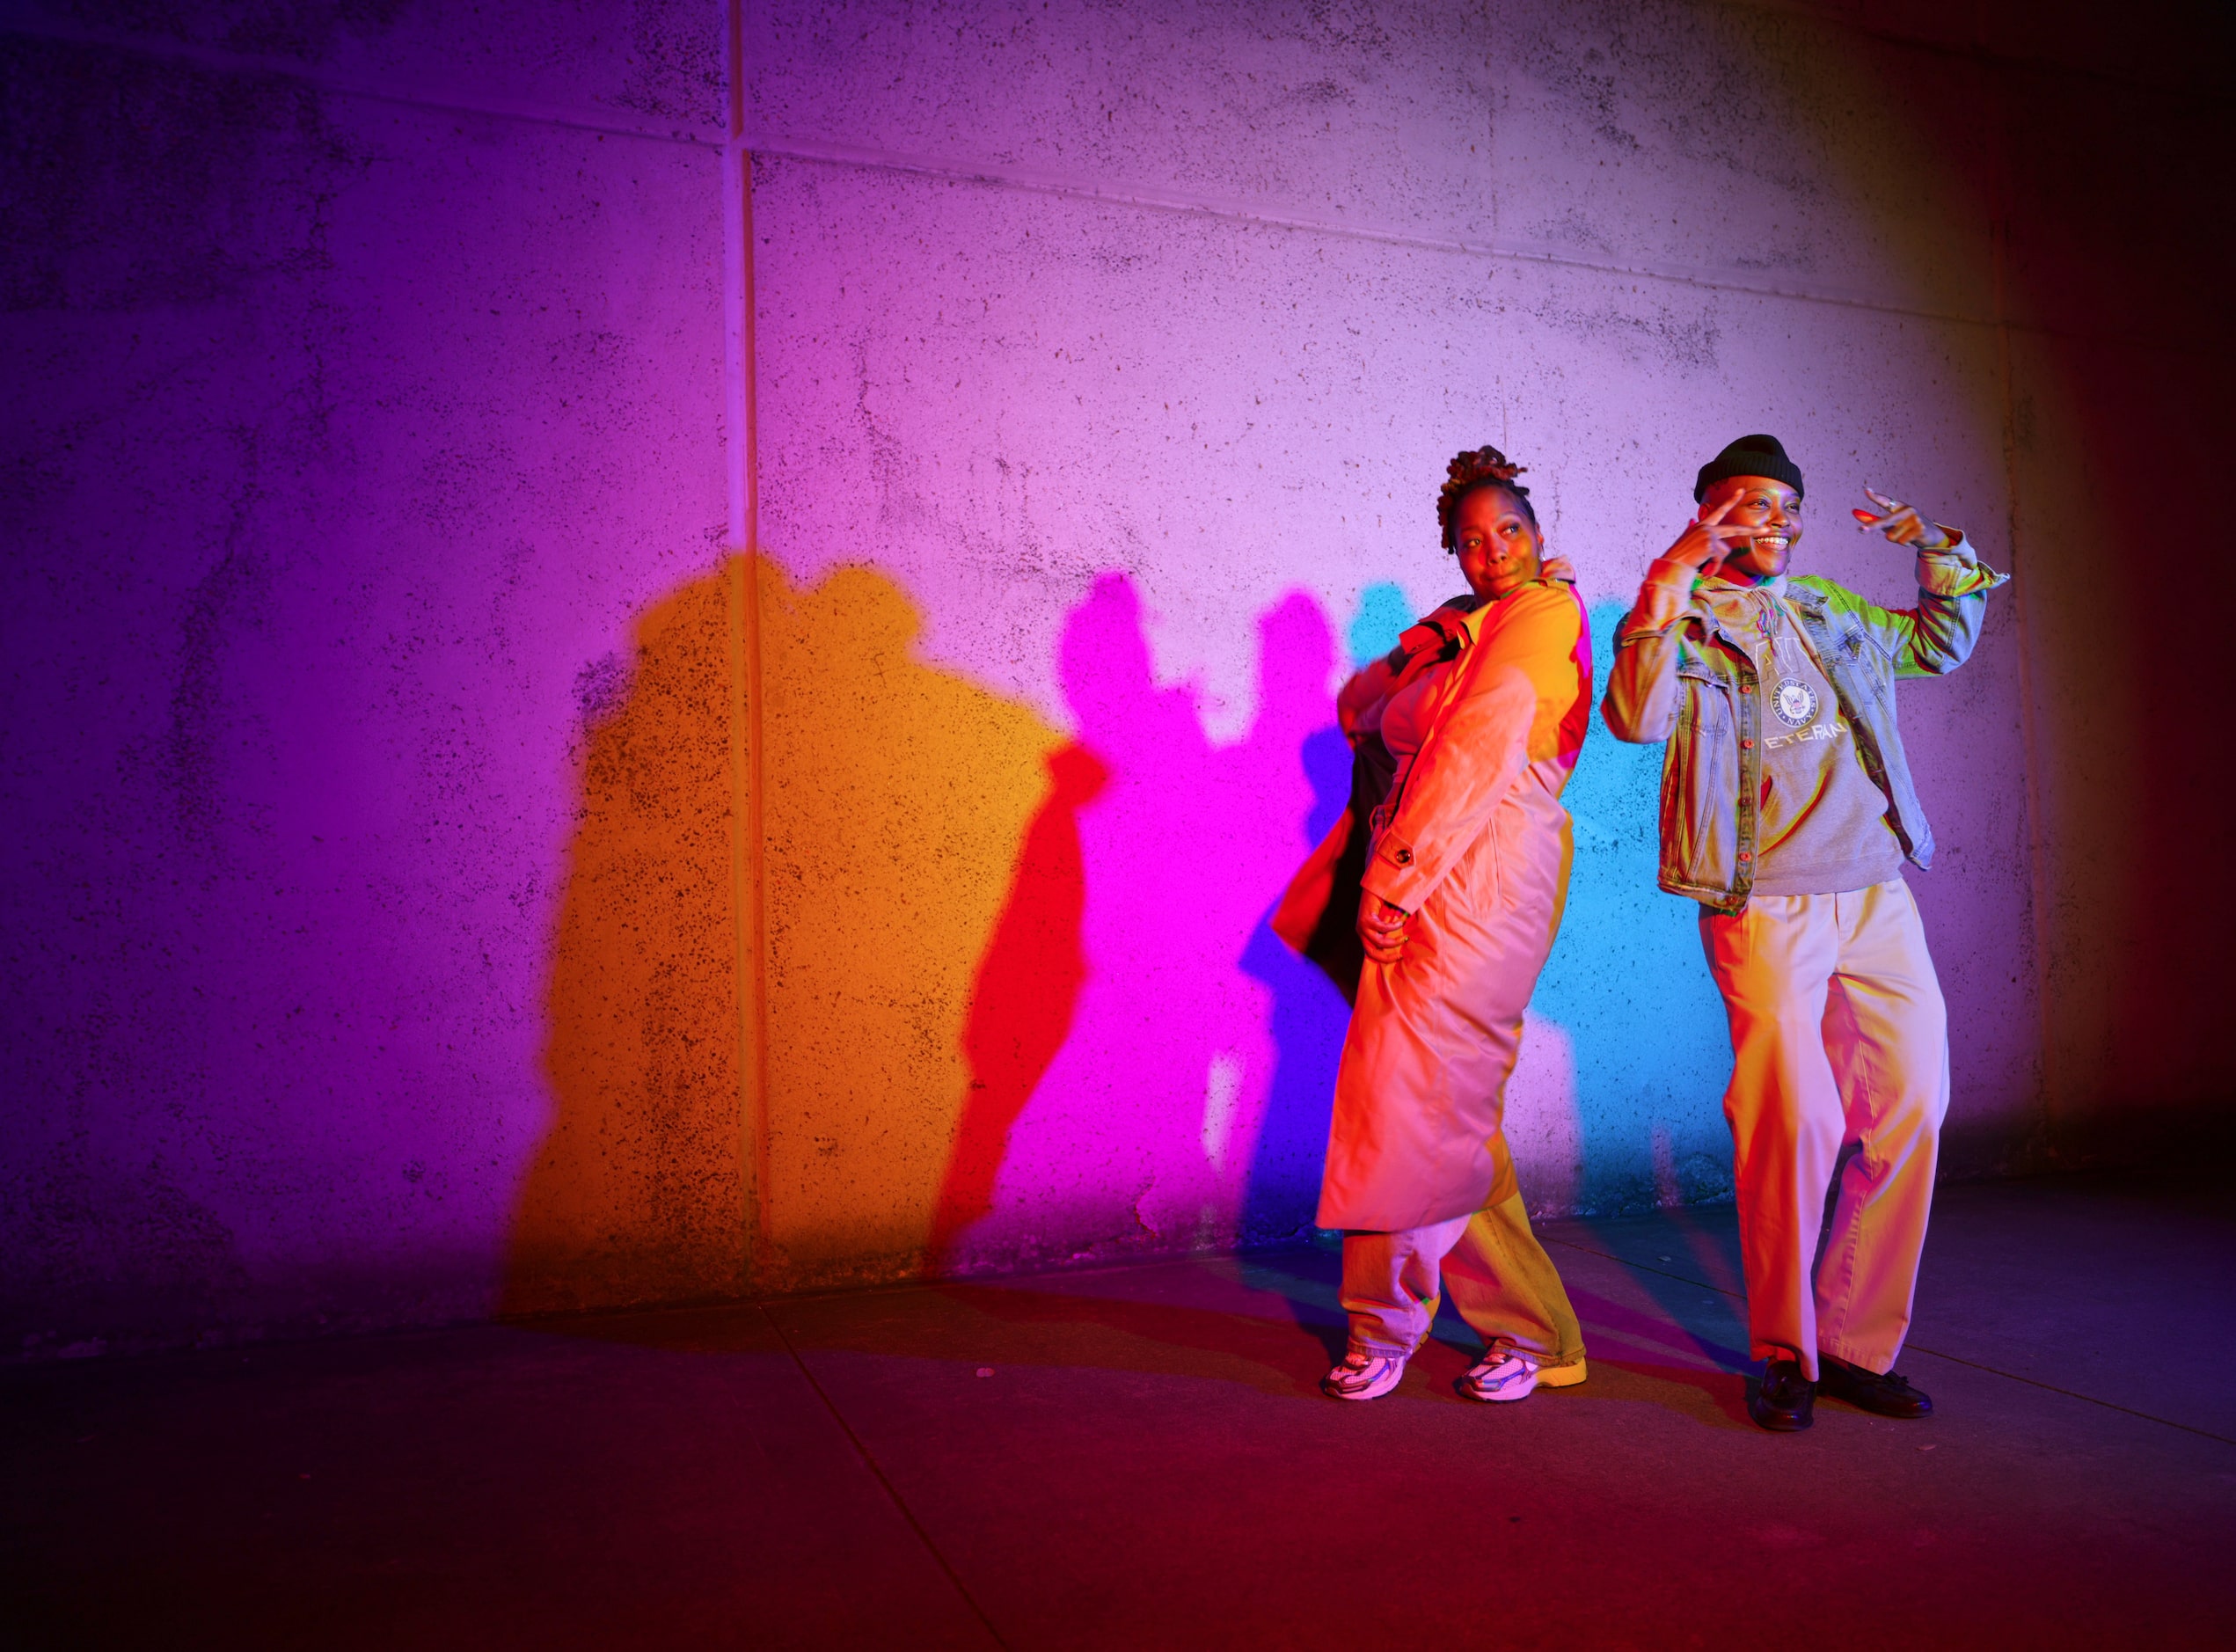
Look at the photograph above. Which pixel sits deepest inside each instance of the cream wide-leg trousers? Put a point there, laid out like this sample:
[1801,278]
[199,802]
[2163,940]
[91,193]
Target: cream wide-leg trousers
[1838,1035]
[1502,1282]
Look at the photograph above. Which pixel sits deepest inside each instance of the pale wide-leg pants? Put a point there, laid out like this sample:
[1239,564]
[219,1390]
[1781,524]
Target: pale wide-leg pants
[1838,1035]
[1502,1282]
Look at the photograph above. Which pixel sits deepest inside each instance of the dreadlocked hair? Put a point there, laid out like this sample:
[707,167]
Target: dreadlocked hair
[1480,467]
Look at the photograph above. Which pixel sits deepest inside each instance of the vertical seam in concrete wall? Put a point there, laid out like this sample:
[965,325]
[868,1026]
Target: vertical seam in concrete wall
[746,835]
[2000,242]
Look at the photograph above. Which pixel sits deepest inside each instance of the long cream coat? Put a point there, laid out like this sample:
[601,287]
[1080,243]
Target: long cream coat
[1476,845]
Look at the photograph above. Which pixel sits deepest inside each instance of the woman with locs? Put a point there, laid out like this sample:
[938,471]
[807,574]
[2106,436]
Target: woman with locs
[1482,710]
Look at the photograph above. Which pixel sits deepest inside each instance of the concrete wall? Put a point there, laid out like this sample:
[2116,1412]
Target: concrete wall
[365,391]
[540,779]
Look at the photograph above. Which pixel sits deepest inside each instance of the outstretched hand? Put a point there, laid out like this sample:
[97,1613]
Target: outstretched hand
[1708,539]
[1382,928]
[1905,524]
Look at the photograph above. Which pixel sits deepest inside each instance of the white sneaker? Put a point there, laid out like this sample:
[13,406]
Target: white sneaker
[1364,1376]
[1505,1374]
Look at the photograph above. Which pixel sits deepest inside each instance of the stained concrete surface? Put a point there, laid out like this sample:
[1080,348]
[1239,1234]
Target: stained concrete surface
[368,494]
[1137,1457]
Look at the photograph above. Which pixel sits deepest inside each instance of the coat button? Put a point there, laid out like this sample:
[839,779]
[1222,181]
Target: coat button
[1746,688]
[1405,856]
[1746,854]
[1746,745]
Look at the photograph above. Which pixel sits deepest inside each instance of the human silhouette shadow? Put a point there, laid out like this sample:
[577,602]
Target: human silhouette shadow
[1310,1019]
[1027,989]
[636,1192]
[1137,1130]
[895,801]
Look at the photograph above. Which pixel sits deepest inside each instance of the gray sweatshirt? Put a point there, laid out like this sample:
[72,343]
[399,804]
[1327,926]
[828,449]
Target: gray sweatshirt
[1822,826]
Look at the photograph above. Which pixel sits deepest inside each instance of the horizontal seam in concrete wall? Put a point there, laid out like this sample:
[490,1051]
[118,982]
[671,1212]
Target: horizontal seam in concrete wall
[1140,197]
[1154,200]
[1149,198]
[223,62]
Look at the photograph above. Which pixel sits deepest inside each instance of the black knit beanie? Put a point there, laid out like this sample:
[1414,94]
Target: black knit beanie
[1749,456]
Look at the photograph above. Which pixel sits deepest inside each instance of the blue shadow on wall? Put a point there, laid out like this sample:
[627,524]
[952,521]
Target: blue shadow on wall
[1373,631]
[1626,982]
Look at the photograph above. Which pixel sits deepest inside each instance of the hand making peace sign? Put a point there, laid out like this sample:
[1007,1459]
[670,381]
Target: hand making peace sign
[1905,524]
[1707,539]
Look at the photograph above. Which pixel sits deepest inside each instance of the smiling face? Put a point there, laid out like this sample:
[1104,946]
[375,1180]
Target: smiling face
[1761,503]
[1500,548]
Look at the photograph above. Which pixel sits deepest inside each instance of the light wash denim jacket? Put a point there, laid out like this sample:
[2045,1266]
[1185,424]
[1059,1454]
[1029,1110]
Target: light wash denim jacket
[1679,676]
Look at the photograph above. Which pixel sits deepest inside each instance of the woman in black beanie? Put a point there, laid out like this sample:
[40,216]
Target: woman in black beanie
[1787,810]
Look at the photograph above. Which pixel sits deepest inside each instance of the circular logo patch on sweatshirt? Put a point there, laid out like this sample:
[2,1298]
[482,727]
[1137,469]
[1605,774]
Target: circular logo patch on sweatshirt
[1795,703]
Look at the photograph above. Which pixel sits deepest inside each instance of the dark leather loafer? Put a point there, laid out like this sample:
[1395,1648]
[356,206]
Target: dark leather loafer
[1785,1401]
[1887,1394]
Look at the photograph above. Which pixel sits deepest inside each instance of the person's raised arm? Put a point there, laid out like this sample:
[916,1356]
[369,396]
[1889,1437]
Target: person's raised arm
[1360,702]
[1481,742]
[1641,701]
[1361,695]
[1939,634]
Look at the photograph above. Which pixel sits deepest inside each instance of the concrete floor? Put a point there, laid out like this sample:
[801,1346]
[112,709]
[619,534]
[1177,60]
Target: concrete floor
[1138,1457]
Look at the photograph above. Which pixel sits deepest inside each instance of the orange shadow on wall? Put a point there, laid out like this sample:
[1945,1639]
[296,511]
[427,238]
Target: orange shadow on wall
[894,813]
[637,1191]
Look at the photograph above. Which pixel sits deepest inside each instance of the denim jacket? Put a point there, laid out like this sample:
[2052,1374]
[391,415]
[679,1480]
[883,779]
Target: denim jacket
[1681,677]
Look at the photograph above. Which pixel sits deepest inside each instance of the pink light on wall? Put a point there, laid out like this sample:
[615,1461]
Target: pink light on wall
[1141,1129]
